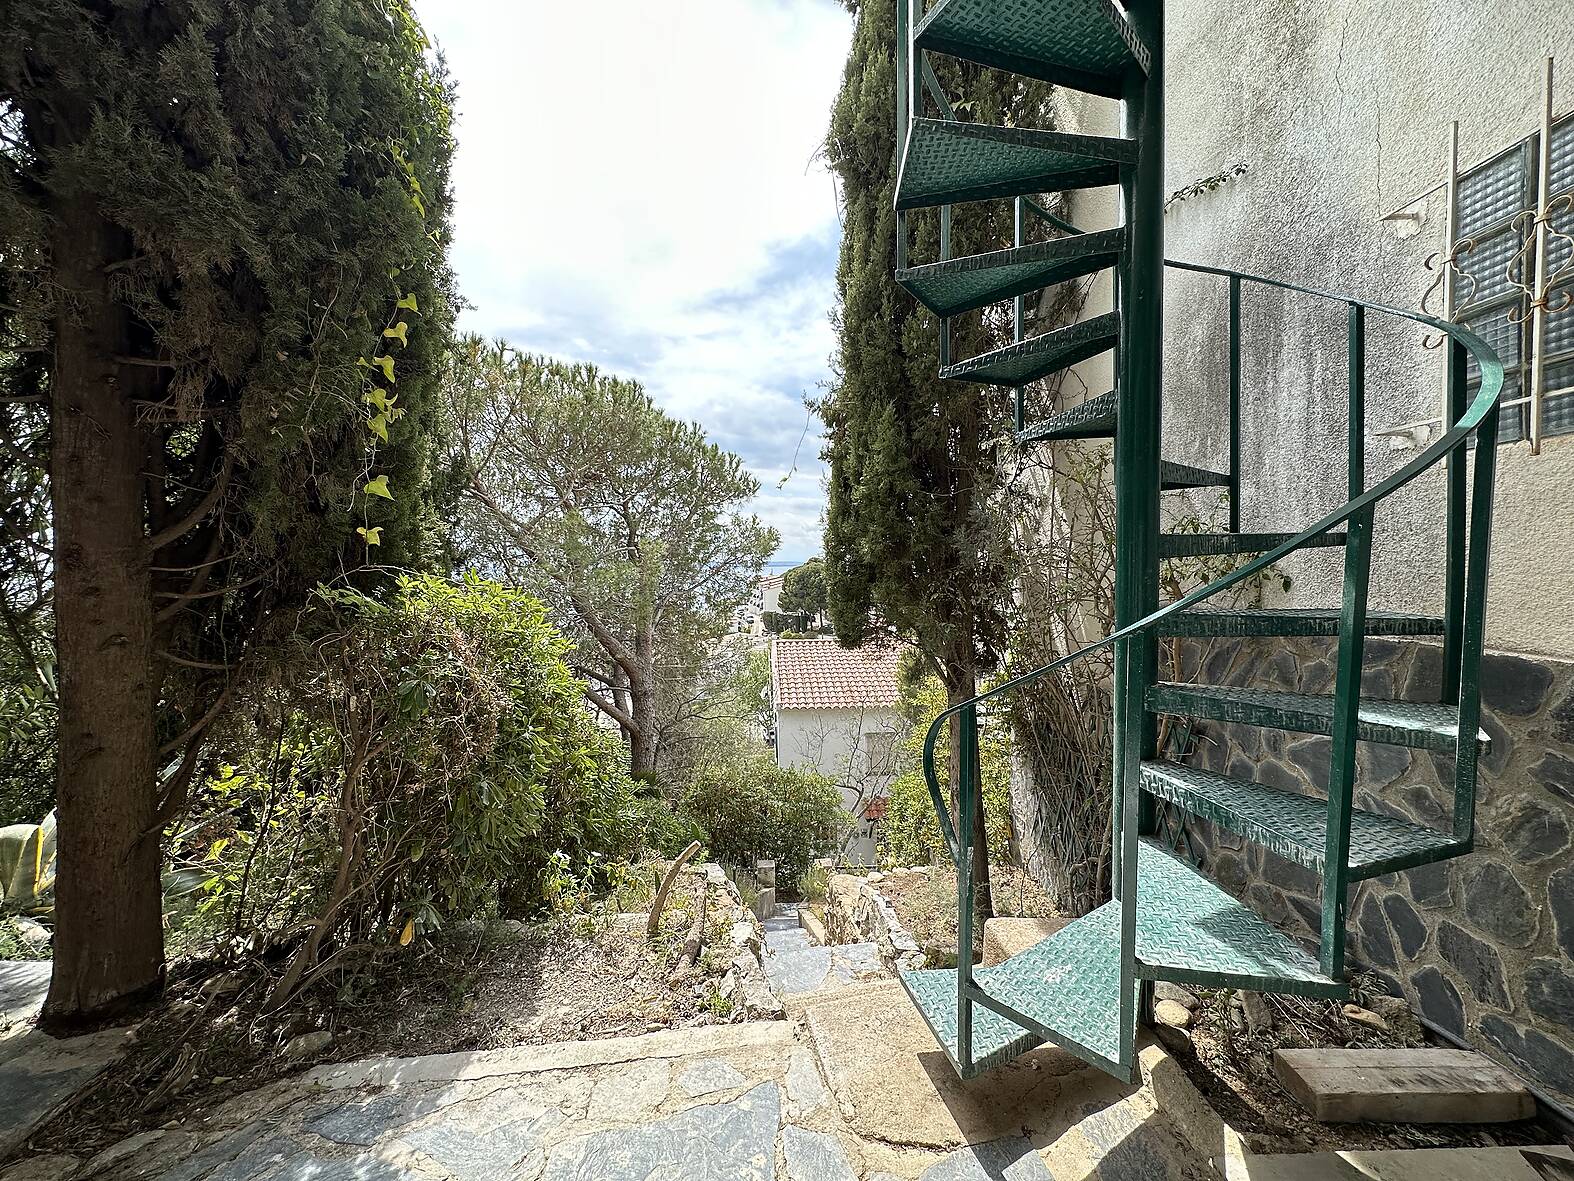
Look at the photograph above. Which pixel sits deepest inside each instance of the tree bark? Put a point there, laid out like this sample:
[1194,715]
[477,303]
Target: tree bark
[642,698]
[109,939]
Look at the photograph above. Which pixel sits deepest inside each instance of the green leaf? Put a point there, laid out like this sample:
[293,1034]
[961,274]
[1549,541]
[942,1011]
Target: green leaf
[408,304]
[378,425]
[397,332]
[378,487]
[372,535]
[387,365]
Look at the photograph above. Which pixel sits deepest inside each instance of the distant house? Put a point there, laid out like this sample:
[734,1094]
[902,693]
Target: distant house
[836,714]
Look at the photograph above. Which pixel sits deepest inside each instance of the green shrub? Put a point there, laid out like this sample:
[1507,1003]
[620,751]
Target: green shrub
[910,831]
[750,808]
[429,758]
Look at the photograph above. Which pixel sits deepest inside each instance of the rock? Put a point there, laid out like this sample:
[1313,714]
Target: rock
[1432,886]
[1534,832]
[34,934]
[1560,901]
[1377,946]
[1476,962]
[709,1076]
[1556,773]
[1550,1061]
[875,878]
[1172,1013]
[1549,992]
[307,1045]
[1440,1001]
[744,934]
[1168,990]
[42,1168]
[1406,924]
[1497,904]
[718,1140]
[1393,1009]
[224,984]
[1006,937]
[1364,1017]
[1513,685]
[814,1156]
[508,930]
[1259,1017]
[1176,1041]
[728,986]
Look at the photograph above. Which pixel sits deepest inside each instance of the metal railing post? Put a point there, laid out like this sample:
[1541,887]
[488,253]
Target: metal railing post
[1467,750]
[1454,544]
[966,786]
[1235,403]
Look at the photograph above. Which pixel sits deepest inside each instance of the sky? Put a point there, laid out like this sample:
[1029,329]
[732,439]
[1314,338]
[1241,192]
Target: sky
[640,186]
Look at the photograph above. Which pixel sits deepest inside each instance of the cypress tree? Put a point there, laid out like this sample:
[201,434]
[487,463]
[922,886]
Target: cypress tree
[223,223]
[910,542]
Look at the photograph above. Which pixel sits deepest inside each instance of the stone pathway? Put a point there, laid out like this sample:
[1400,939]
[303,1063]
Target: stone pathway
[747,1102]
[39,1073]
[796,966]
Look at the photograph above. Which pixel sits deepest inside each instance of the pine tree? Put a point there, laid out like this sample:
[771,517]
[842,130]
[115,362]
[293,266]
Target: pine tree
[223,221]
[910,541]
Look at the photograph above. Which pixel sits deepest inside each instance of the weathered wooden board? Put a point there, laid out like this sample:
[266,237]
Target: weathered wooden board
[1402,1086]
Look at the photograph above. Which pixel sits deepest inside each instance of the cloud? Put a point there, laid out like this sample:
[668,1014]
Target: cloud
[638,185]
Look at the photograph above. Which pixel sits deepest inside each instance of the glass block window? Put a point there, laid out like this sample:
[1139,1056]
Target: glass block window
[1486,297]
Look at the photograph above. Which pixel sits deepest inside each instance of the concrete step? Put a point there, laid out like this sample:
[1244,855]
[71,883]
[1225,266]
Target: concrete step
[810,969]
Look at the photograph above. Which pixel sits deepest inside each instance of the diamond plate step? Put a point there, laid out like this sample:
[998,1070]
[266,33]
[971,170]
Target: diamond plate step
[962,284]
[1093,419]
[1084,44]
[1018,364]
[1399,723]
[1198,545]
[1295,826]
[1173,476]
[1291,621]
[1189,930]
[946,162]
[1067,987]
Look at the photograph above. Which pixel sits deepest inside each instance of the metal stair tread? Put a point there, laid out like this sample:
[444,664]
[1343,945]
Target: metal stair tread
[1175,476]
[1196,545]
[1291,621]
[1038,356]
[1295,826]
[947,161]
[1092,419]
[961,284]
[1086,44]
[1426,725]
[1191,931]
[996,1039]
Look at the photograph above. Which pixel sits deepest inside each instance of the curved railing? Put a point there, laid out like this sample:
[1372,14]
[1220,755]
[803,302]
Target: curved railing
[1465,575]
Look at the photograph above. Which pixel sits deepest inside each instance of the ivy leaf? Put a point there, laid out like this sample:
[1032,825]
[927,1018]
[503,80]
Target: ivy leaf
[420,206]
[378,425]
[397,332]
[372,536]
[378,487]
[377,398]
[407,934]
[407,304]
[385,362]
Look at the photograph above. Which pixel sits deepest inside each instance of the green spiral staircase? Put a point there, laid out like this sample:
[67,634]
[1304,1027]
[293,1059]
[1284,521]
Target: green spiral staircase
[1084,988]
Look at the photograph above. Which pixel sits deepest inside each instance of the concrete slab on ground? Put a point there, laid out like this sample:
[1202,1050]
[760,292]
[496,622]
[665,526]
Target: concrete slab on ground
[23,984]
[1006,937]
[1418,1164]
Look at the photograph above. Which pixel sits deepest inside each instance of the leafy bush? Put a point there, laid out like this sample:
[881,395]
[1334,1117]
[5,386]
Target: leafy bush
[429,758]
[749,808]
[27,729]
[910,832]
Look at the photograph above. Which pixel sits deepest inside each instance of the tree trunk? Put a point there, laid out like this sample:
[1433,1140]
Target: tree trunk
[642,698]
[109,939]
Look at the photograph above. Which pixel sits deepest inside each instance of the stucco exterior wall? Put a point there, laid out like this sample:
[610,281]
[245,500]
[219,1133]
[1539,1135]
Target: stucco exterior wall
[836,743]
[1340,110]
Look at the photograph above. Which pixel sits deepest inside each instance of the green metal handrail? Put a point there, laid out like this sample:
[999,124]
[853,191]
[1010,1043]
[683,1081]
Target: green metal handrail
[1465,635]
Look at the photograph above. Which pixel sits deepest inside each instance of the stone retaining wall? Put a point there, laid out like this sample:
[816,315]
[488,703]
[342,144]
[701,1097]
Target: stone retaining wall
[1482,945]
[856,912]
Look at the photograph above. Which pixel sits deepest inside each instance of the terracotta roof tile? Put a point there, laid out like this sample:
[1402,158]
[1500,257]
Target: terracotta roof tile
[821,674]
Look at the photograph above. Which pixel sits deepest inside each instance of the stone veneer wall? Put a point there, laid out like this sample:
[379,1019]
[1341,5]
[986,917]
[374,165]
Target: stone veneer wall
[1482,945]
